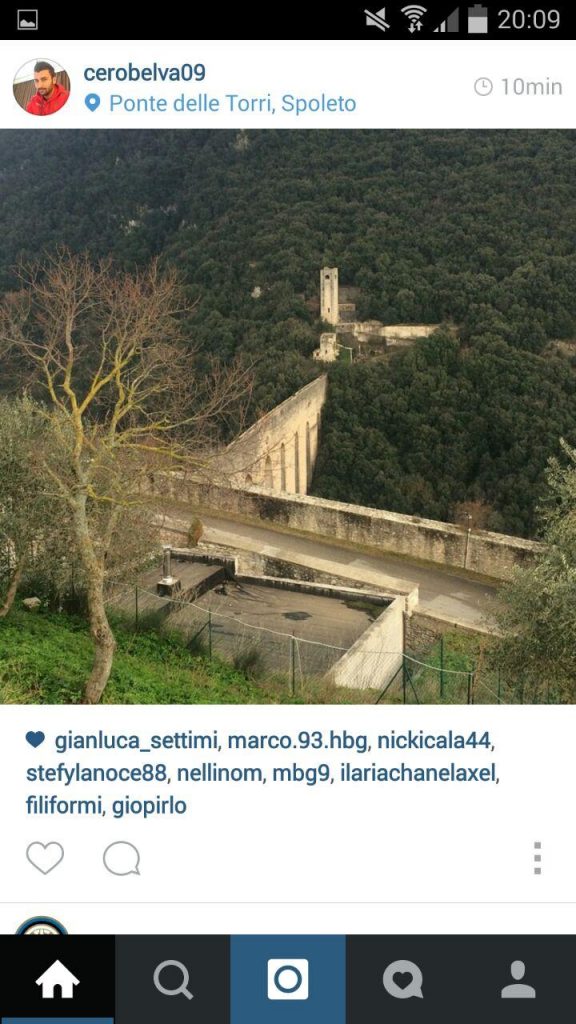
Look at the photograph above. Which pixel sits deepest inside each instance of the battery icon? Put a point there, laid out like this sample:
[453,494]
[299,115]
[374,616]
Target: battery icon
[478,20]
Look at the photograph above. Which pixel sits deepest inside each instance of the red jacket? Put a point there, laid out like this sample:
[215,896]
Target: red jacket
[39,105]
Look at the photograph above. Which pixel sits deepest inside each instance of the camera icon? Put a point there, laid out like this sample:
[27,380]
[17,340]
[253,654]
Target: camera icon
[287,979]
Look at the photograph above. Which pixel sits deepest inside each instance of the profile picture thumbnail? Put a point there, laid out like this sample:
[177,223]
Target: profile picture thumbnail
[41,87]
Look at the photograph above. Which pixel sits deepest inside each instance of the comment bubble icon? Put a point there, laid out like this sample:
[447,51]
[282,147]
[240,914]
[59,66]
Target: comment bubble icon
[122,859]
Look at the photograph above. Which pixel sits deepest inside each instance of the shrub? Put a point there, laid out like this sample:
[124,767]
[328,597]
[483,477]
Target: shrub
[195,531]
[249,662]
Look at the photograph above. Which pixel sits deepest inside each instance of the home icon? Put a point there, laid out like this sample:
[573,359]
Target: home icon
[57,976]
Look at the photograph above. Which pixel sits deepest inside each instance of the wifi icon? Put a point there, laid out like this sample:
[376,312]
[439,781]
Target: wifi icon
[414,13]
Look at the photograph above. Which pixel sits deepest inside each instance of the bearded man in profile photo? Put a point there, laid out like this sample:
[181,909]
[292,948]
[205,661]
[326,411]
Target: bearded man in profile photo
[50,96]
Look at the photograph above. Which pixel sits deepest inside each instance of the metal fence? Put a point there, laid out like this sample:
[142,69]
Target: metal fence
[417,682]
[444,677]
[447,677]
[256,650]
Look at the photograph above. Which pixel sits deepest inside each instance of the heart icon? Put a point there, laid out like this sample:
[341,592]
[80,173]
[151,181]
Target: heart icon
[403,978]
[35,738]
[45,856]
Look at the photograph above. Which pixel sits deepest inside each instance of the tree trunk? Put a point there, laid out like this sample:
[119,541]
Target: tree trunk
[104,643]
[12,589]
[102,635]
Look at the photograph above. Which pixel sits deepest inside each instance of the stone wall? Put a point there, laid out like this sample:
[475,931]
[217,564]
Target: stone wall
[391,333]
[365,581]
[294,565]
[422,631]
[279,451]
[328,349]
[407,331]
[489,554]
[369,338]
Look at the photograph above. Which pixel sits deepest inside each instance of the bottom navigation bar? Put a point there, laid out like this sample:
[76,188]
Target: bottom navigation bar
[283,978]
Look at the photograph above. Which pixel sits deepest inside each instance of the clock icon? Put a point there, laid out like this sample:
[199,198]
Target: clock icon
[483,86]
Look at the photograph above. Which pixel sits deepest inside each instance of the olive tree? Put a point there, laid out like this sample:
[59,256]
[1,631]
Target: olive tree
[537,650]
[123,396]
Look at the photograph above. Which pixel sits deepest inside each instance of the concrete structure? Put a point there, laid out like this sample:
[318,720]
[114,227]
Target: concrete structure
[330,623]
[273,615]
[376,657]
[279,451]
[428,589]
[145,596]
[291,566]
[347,634]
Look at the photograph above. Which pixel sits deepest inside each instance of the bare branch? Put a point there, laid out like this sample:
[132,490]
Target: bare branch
[124,397]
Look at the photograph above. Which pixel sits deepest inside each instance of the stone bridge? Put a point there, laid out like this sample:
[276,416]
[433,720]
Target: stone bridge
[279,451]
[264,476]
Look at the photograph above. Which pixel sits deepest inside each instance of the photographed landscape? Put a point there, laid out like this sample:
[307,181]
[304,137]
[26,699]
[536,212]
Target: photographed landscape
[288,417]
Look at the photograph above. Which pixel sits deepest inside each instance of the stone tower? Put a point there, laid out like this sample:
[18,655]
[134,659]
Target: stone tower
[329,295]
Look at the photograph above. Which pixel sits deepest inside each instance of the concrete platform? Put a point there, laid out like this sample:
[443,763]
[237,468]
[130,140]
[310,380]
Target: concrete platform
[264,618]
[194,576]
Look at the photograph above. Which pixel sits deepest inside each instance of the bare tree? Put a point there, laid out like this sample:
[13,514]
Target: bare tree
[123,397]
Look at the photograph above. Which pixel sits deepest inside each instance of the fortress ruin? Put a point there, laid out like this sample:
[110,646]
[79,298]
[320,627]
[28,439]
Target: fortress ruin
[361,339]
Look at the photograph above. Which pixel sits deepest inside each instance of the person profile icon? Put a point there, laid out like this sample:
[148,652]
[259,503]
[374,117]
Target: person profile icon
[518,990]
[41,87]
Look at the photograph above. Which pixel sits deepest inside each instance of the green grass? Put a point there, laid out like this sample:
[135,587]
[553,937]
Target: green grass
[461,651]
[45,659]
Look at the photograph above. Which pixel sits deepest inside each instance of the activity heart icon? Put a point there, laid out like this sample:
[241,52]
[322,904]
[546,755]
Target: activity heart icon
[45,856]
[403,979]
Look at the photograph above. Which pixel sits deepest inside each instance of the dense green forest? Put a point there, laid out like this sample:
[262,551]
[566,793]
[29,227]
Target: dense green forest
[476,229]
[464,426]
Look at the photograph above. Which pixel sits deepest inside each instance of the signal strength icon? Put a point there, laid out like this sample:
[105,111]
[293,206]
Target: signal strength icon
[452,23]
[414,13]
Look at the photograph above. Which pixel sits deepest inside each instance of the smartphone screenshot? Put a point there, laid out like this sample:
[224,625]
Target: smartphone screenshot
[287,514]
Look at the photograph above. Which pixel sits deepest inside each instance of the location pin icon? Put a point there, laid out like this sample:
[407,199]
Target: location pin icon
[92,101]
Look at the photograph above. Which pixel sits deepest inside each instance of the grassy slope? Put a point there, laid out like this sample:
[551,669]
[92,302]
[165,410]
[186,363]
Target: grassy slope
[44,660]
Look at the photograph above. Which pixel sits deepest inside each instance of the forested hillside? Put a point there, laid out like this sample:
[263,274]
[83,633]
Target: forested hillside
[474,229]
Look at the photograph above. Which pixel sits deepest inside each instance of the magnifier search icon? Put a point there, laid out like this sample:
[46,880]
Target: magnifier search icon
[182,988]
